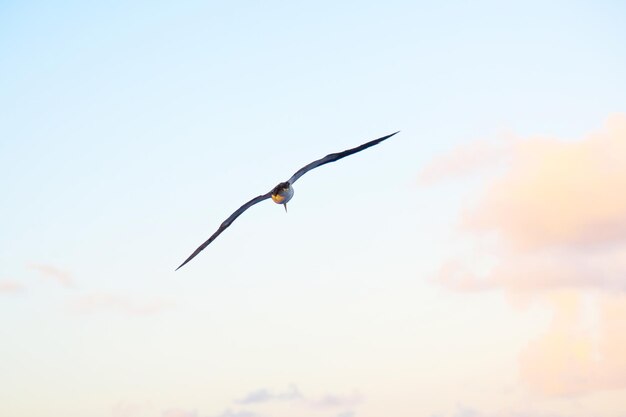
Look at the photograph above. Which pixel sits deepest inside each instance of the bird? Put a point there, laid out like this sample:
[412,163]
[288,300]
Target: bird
[283,192]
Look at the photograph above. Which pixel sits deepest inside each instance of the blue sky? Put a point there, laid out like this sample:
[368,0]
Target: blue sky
[130,131]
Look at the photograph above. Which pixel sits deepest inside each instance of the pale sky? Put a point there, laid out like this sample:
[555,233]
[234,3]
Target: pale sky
[472,265]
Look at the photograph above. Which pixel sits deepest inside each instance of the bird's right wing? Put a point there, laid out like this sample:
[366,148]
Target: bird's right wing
[227,223]
[335,157]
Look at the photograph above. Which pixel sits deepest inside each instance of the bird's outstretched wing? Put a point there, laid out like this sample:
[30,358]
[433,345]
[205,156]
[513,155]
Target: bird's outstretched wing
[335,157]
[227,223]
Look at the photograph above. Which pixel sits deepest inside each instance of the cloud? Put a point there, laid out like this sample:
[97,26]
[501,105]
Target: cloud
[257,403]
[258,396]
[557,215]
[63,278]
[336,401]
[463,411]
[10,287]
[263,395]
[464,160]
[298,401]
[573,358]
[112,302]
[560,193]
[537,271]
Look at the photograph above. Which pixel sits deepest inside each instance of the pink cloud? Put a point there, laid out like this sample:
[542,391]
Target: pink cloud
[60,276]
[572,358]
[111,302]
[558,216]
[10,287]
[559,192]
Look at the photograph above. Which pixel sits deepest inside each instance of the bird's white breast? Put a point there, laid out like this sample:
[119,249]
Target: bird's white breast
[283,196]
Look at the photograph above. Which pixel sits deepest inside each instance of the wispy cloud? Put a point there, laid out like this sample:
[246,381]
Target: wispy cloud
[264,395]
[258,403]
[464,411]
[10,287]
[336,401]
[60,276]
[98,302]
[294,396]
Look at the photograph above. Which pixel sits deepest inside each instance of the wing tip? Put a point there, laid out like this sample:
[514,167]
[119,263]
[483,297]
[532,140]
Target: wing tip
[386,137]
[183,264]
[376,141]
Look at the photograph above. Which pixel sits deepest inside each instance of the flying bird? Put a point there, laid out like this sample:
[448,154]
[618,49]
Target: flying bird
[283,192]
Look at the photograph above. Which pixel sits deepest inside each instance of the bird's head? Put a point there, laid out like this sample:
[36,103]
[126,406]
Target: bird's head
[281,187]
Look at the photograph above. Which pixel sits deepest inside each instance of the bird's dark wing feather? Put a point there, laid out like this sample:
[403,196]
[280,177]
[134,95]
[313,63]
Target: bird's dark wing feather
[335,157]
[227,223]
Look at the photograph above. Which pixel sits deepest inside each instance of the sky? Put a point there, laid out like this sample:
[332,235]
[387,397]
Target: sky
[474,265]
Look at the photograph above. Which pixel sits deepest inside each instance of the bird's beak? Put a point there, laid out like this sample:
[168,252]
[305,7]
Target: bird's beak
[285,207]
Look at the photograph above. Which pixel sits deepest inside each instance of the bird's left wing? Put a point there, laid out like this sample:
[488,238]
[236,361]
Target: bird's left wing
[335,157]
[227,223]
